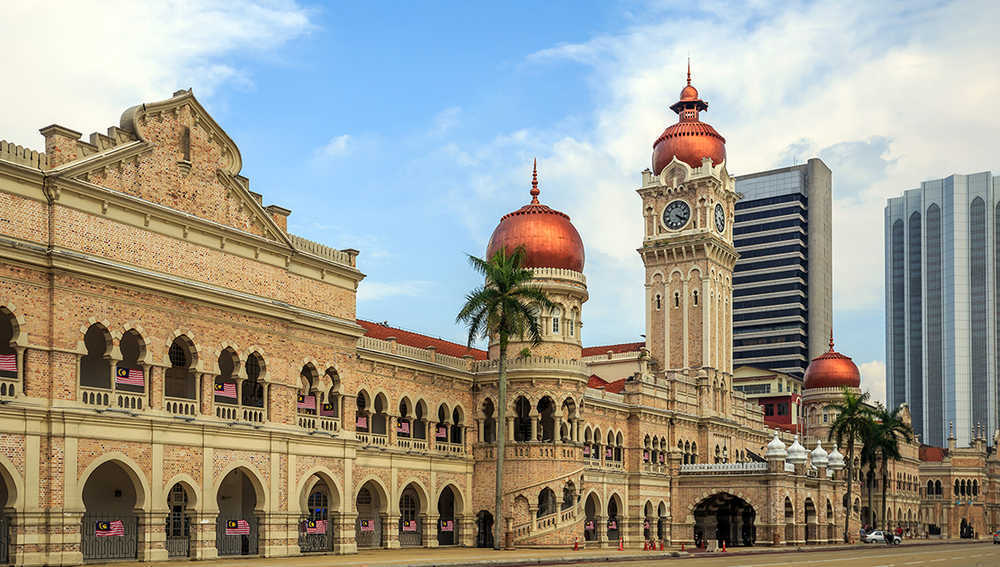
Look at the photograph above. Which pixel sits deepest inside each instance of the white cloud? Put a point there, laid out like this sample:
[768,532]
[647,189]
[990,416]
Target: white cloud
[873,379]
[446,120]
[866,87]
[100,57]
[336,147]
[374,291]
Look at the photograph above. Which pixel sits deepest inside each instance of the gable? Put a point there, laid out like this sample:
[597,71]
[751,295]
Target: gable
[182,159]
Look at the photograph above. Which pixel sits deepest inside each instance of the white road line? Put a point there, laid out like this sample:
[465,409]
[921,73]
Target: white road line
[913,563]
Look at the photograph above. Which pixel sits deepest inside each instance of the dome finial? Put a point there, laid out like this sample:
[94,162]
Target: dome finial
[831,339]
[534,183]
[689,69]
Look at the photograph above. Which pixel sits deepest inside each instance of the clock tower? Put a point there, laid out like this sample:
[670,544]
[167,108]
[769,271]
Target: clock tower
[688,201]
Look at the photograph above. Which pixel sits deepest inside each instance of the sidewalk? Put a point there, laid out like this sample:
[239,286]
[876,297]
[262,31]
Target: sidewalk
[474,557]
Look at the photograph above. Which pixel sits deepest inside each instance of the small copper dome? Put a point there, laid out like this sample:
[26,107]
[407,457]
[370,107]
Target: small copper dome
[689,139]
[549,238]
[832,370]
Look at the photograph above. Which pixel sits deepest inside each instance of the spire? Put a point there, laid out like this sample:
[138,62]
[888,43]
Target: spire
[689,70]
[831,339]
[534,183]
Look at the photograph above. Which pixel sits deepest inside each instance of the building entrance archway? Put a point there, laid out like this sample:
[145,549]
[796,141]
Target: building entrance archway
[371,507]
[317,524]
[591,525]
[811,521]
[178,522]
[237,527]
[725,518]
[484,529]
[412,510]
[447,533]
[110,526]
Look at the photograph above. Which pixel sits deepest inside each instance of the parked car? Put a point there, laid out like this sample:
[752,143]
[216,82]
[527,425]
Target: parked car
[878,536]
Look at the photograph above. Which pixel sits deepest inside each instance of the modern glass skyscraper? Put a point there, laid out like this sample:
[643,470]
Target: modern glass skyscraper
[783,283]
[941,274]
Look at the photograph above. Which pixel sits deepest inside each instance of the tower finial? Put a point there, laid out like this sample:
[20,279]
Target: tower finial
[831,339]
[689,70]
[534,183]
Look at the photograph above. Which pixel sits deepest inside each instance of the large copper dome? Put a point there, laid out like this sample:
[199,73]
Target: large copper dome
[549,238]
[690,139]
[832,370]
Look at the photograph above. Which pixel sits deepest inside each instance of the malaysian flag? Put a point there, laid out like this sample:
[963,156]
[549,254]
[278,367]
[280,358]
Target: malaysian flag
[108,529]
[661,458]
[307,402]
[237,527]
[367,526]
[409,525]
[609,453]
[225,390]
[363,421]
[586,450]
[404,427]
[442,432]
[129,376]
[447,526]
[589,525]
[316,527]
[612,524]
[645,456]
[327,410]
[8,365]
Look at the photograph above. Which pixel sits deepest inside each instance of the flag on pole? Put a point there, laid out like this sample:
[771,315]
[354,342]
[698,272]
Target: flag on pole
[404,427]
[109,529]
[327,410]
[316,527]
[8,365]
[225,390]
[447,526]
[307,402]
[442,432]
[237,527]
[366,526]
[129,376]
[363,421]
[409,525]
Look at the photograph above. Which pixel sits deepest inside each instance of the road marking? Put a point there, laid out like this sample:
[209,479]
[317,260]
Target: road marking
[913,563]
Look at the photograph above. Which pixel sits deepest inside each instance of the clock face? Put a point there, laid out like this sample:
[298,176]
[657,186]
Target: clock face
[676,214]
[720,218]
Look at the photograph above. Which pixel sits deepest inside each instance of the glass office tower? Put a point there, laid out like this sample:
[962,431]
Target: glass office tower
[941,274]
[783,283]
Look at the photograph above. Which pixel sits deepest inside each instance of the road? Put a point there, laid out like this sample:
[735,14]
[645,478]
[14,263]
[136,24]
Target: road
[971,555]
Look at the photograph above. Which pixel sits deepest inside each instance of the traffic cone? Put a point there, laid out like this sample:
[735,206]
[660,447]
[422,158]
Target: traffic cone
[682,546]
[621,543]
[645,545]
[576,543]
[661,545]
[723,546]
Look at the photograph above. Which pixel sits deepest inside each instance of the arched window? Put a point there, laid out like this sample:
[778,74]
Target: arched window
[363,412]
[420,420]
[619,447]
[403,425]
[930,488]
[457,426]
[253,389]
[658,306]
[8,356]
[225,383]
[308,379]
[179,380]
[687,451]
[957,487]
[129,375]
[694,453]
[522,419]
[937,488]
[975,488]
[696,298]
[546,419]
[380,421]
[489,422]
[556,315]
[546,502]
[331,405]
[569,496]
[95,366]
[677,299]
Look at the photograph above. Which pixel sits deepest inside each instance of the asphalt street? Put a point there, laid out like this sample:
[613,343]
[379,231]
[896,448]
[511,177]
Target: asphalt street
[973,555]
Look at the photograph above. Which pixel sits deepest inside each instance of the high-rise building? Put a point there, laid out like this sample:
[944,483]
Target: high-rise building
[783,284]
[941,270]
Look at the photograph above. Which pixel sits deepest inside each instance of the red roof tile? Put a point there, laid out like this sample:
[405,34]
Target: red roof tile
[615,349]
[598,383]
[930,453]
[408,338]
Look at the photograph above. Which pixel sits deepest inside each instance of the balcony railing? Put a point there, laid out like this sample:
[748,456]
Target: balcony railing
[453,448]
[105,398]
[320,423]
[8,388]
[728,468]
[249,414]
[183,407]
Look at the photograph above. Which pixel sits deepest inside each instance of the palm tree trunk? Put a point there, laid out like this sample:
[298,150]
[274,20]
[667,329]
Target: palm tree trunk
[501,443]
[885,486]
[850,483]
[870,483]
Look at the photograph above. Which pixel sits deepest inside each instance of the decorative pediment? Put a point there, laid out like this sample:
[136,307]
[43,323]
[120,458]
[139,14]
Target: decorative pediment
[175,154]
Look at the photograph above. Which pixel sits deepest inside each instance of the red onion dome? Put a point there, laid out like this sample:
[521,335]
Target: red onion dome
[832,370]
[549,238]
[689,139]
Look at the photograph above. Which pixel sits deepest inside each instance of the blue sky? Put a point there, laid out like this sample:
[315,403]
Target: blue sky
[406,130]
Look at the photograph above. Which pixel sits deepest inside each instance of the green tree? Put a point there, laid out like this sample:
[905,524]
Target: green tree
[889,429]
[853,417]
[506,306]
[869,463]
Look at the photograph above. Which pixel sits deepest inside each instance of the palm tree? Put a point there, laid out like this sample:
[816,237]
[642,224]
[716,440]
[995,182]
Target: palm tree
[888,429]
[505,306]
[852,418]
[869,460]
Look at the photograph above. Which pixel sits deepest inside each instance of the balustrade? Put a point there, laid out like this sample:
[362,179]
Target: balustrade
[715,468]
[8,388]
[181,406]
[106,398]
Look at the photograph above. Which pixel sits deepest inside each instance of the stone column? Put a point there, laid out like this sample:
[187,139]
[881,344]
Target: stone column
[203,535]
[206,391]
[428,530]
[152,537]
[344,532]
[390,530]
[154,387]
[390,429]
[534,426]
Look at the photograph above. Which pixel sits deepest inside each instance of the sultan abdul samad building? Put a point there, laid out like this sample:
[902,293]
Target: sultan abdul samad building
[180,376]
